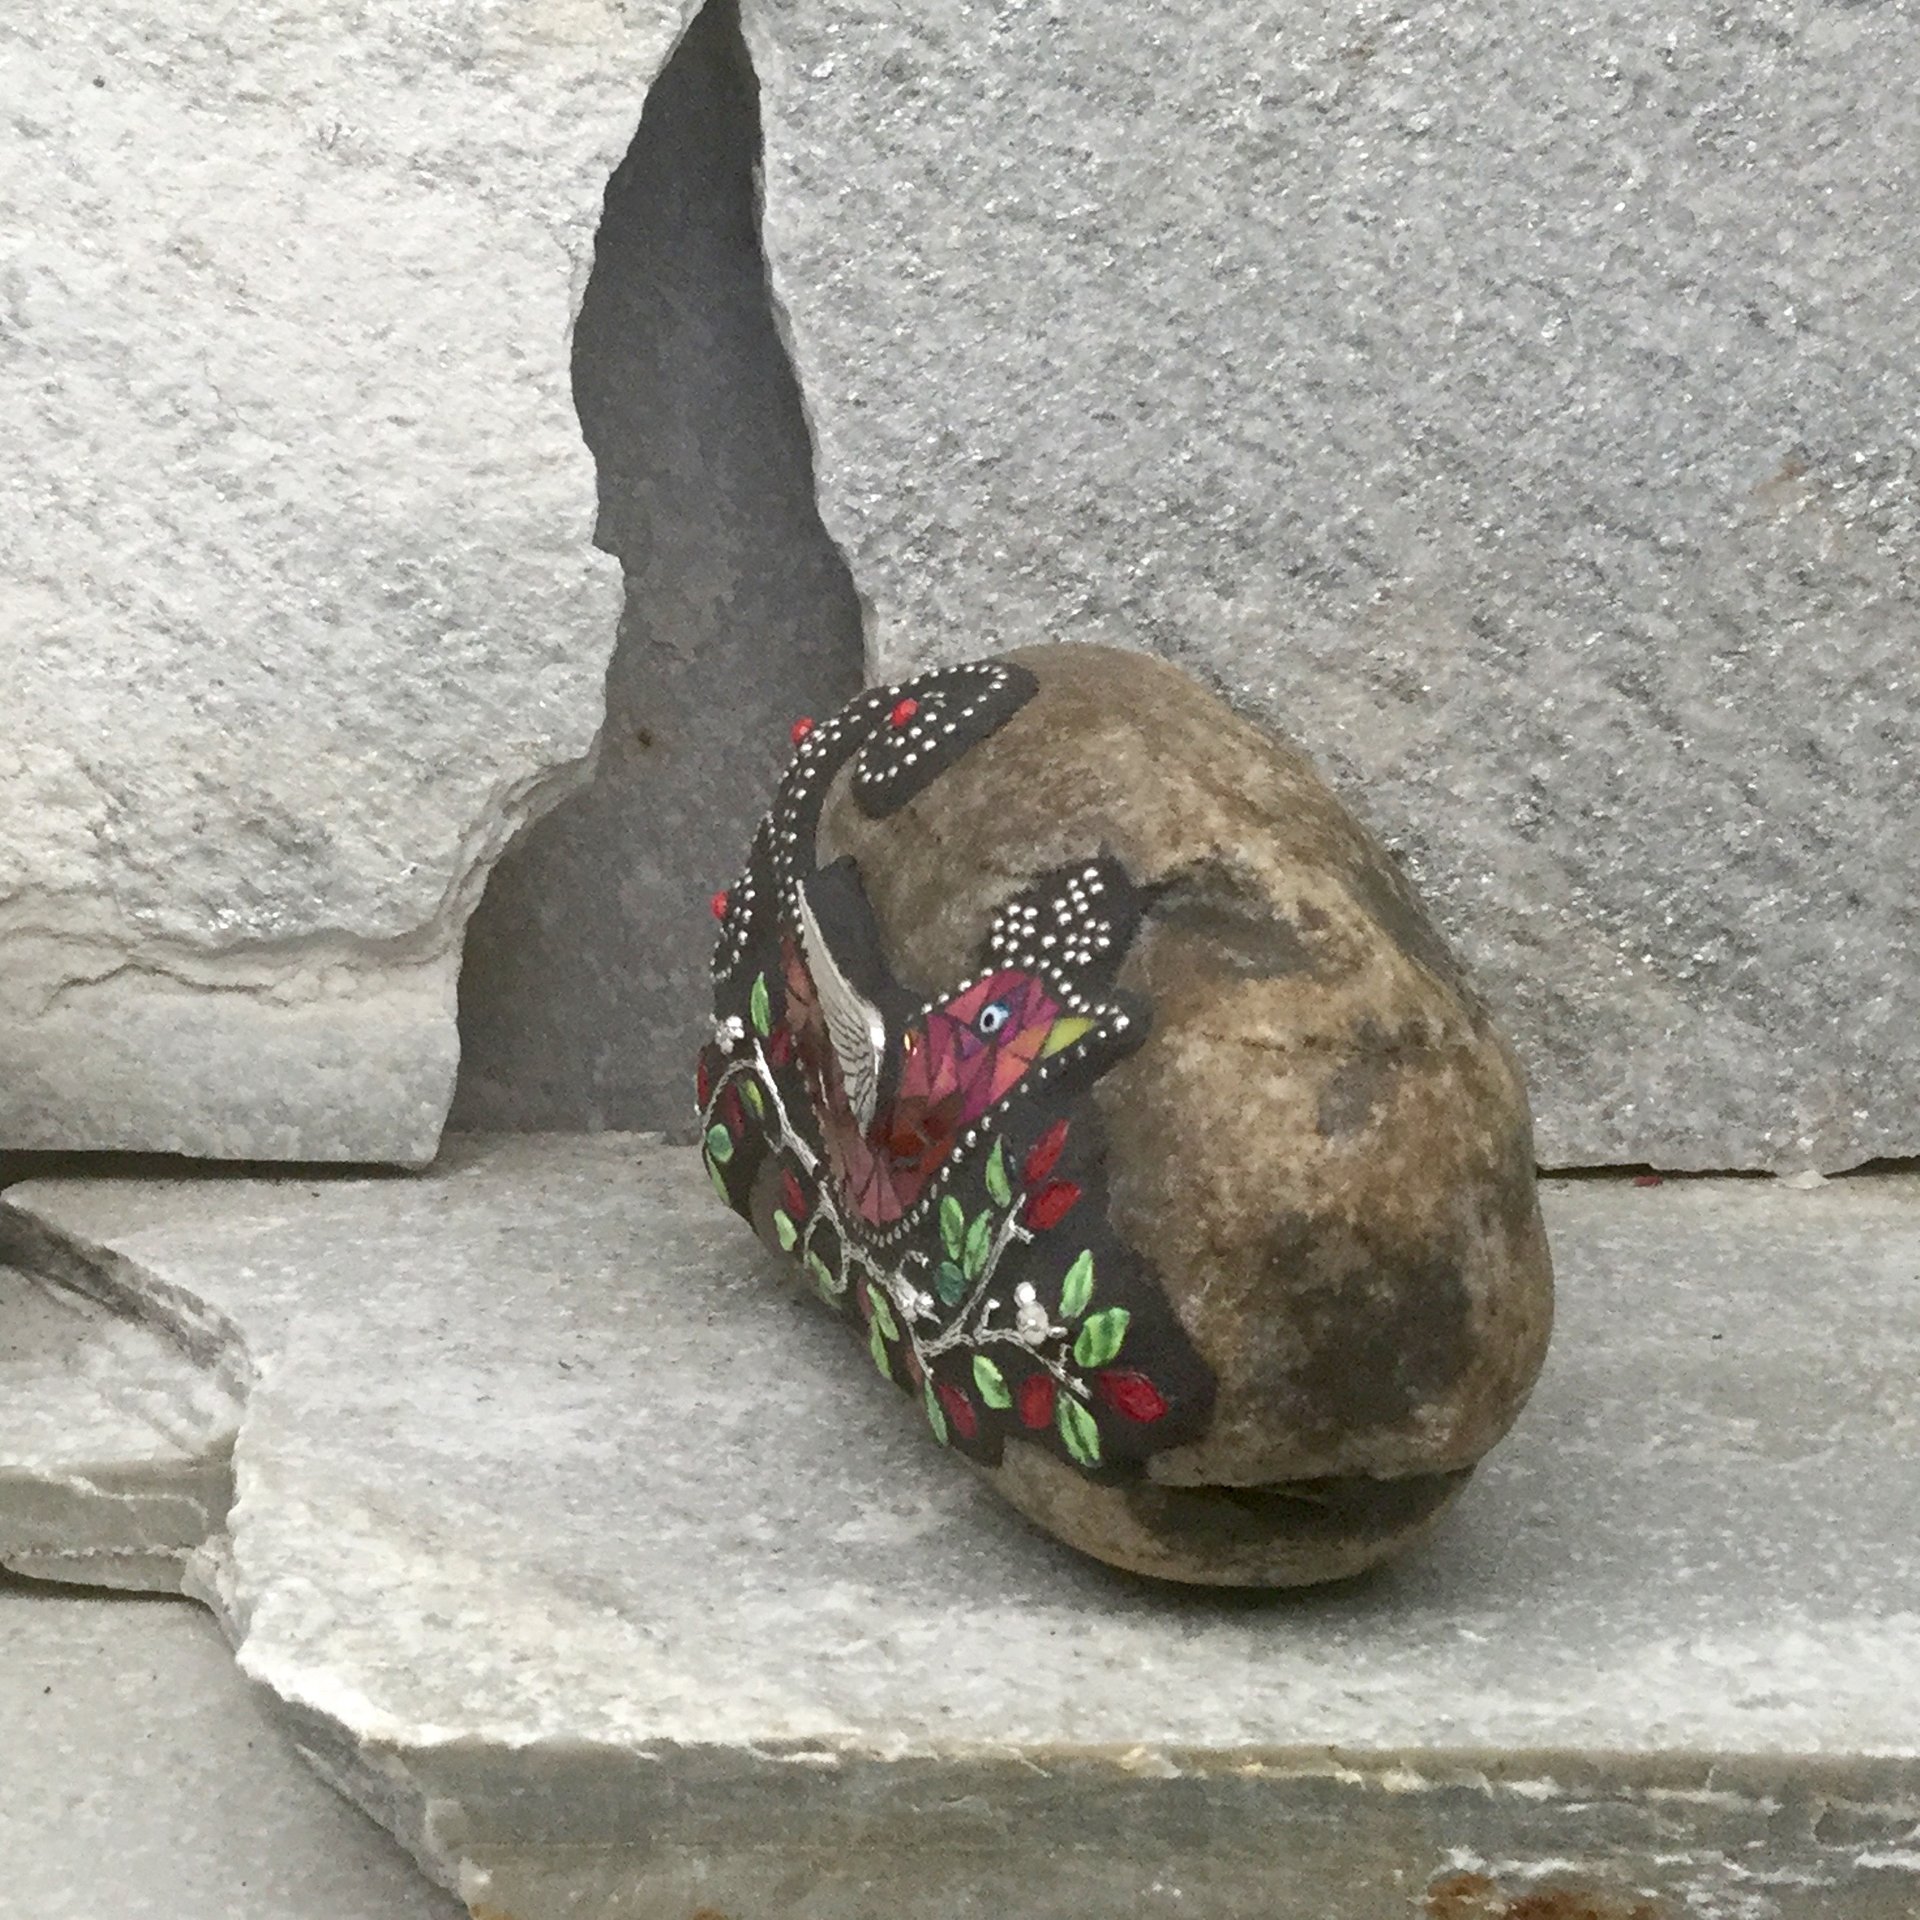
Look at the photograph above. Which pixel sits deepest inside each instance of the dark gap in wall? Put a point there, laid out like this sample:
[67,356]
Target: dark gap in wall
[1643,1171]
[584,990]
[89,1163]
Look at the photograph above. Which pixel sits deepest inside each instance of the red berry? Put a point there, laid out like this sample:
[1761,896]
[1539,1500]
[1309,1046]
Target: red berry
[1046,1150]
[1130,1393]
[903,711]
[719,904]
[800,729]
[1034,1401]
[794,1194]
[1051,1205]
[1647,1180]
[780,1046]
[959,1408]
[702,1082]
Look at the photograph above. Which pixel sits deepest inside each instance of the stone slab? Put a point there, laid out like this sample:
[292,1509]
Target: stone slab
[1513,405]
[600,1567]
[160,1787]
[117,1420]
[303,619]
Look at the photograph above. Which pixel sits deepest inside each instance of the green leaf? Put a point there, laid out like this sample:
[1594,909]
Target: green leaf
[878,1348]
[979,1244]
[755,1099]
[1076,1290]
[949,1283]
[991,1382]
[832,1285]
[999,1187]
[719,1145]
[883,1315]
[719,1184]
[1078,1431]
[953,1226]
[936,1414]
[1100,1338]
[784,1230]
[758,1007]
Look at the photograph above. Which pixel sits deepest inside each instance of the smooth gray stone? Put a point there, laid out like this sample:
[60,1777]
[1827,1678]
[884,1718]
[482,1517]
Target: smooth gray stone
[142,1779]
[303,621]
[1514,404]
[601,1568]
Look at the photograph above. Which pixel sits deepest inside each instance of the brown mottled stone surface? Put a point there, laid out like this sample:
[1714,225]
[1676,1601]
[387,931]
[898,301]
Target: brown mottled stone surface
[1323,1149]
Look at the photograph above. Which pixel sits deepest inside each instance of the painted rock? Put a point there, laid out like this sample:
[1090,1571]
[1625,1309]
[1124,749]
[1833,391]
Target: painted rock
[1107,1078]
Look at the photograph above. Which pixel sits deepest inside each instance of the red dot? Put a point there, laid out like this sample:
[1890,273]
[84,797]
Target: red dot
[719,904]
[1046,1150]
[1130,1393]
[904,711]
[959,1410]
[800,729]
[1034,1401]
[1047,1208]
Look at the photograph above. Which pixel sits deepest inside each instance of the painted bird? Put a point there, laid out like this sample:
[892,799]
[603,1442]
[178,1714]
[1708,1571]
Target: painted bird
[898,1083]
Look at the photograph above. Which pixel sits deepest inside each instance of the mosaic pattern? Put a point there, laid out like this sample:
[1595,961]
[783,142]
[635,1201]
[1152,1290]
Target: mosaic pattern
[932,1161]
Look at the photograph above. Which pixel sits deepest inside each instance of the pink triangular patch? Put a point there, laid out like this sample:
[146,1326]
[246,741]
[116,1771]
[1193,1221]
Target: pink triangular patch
[1007,1071]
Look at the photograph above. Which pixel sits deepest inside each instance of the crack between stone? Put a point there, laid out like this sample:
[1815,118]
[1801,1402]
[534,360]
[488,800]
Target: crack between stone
[757,54]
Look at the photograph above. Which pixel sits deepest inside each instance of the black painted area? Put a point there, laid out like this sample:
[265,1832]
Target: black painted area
[943,716]
[585,992]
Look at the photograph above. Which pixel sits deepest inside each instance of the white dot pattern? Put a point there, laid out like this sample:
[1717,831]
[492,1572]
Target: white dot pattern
[952,708]
[889,769]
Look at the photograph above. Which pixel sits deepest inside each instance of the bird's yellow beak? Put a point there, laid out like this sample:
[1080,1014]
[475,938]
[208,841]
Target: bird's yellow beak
[1063,1033]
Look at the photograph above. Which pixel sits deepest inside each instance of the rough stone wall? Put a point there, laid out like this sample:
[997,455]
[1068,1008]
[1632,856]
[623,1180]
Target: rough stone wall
[1518,409]
[586,993]
[299,618]
[1516,406]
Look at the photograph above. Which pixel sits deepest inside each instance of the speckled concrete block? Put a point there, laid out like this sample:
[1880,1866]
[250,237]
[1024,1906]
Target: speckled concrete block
[302,618]
[570,1547]
[1515,405]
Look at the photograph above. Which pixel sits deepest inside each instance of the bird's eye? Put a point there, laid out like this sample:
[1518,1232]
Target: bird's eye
[991,1018]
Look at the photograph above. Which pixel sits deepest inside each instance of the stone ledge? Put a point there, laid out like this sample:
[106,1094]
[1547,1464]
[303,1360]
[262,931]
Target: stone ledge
[599,1567]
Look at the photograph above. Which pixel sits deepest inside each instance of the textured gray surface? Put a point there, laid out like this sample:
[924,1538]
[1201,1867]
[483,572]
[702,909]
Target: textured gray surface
[302,616]
[116,1432]
[585,993]
[1518,407]
[142,1778]
[562,1524]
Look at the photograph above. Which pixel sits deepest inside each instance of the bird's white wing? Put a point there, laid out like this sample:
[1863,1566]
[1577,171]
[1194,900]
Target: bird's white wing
[854,1025]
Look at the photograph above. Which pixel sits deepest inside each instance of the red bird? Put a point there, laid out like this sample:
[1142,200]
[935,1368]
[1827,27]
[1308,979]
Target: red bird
[895,1096]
